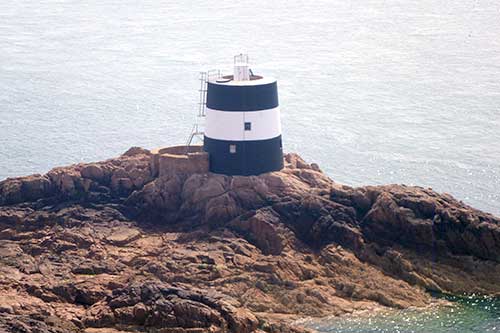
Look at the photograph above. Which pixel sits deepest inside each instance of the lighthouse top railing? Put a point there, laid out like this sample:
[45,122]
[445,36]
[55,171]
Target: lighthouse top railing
[213,75]
[241,59]
[241,71]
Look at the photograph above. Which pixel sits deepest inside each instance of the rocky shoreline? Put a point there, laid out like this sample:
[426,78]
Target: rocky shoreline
[113,247]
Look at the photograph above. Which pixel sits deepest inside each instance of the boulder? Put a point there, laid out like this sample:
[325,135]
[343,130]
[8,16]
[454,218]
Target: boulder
[264,230]
[94,172]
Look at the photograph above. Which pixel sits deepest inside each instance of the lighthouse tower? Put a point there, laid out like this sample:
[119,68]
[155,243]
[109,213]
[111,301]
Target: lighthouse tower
[243,128]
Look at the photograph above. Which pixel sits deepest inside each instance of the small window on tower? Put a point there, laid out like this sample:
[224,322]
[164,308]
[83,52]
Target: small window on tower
[248,126]
[232,149]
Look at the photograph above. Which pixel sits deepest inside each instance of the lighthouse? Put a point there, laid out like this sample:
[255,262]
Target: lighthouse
[243,128]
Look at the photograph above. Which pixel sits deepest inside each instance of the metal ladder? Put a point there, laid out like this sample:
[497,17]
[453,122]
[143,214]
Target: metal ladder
[206,77]
[197,131]
[202,104]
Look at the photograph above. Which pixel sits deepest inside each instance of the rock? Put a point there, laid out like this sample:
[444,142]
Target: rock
[115,245]
[10,217]
[121,236]
[99,315]
[136,151]
[90,293]
[241,320]
[34,187]
[93,171]
[420,220]
[129,171]
[159,306]
[10,191]
[64,180]
[221,209]
[264,230]
[28,188]
[140,313]
[6,308]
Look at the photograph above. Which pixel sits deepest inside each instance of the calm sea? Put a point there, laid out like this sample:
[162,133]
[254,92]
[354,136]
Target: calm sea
[375,91]
[468,314]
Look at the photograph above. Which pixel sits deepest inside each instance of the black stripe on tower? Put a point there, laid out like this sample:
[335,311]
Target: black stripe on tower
[248,157]
[242,98]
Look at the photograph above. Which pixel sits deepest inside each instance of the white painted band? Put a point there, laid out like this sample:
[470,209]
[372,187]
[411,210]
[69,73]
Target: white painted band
[230,125]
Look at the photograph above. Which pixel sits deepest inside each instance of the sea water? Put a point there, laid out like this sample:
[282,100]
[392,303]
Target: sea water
[466,314]
[375,91]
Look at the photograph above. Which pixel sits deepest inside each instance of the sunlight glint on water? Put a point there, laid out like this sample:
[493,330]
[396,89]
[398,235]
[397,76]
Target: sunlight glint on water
[466,315]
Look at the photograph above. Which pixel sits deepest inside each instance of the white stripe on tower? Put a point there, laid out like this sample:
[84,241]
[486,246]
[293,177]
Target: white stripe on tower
[230,125]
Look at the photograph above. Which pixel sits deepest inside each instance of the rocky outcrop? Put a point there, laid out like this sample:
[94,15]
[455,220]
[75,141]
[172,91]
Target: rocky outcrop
[115,246]
[154,305]
[102,181]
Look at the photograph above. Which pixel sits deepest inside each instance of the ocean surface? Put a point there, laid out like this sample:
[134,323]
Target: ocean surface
[375,91]
[467,314]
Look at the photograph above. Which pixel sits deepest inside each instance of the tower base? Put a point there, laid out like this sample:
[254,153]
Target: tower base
[244,158]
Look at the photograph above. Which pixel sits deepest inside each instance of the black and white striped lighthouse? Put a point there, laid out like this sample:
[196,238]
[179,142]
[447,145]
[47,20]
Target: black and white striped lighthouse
[243,127]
